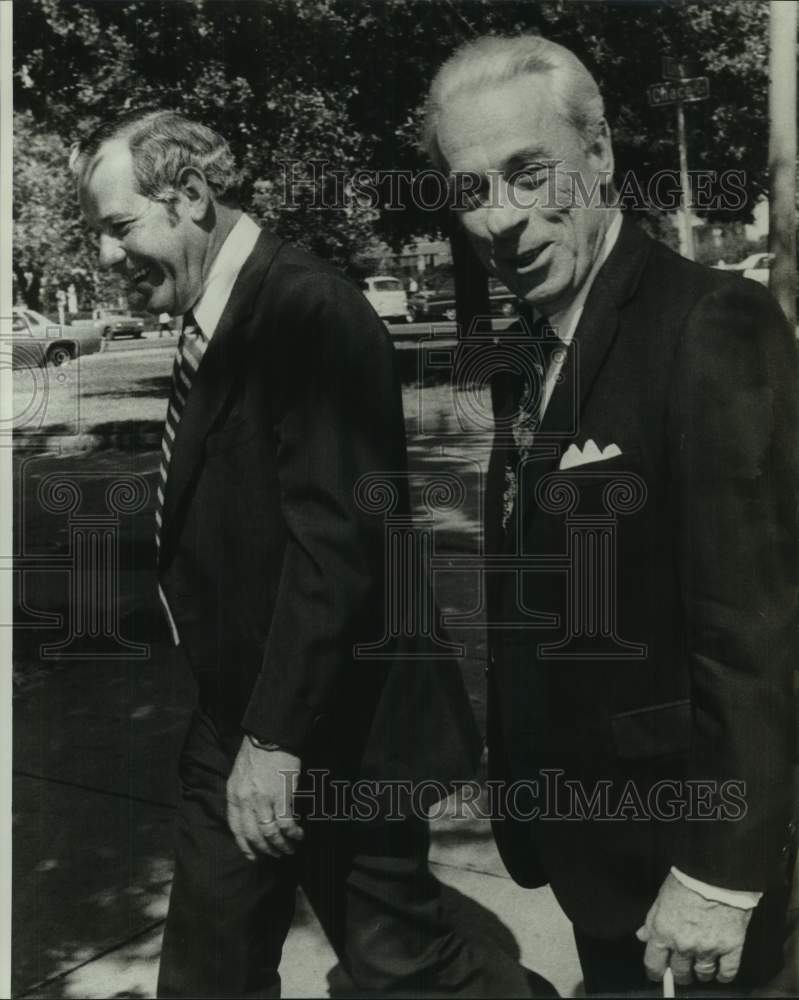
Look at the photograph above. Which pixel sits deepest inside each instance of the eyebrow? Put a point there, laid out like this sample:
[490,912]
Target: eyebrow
[514,161]
[524,155]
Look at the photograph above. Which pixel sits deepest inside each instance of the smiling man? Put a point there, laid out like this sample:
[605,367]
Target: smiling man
[283,396]
[528,158]
[642,687]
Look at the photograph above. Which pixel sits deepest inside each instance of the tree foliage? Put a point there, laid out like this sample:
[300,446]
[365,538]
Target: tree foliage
[295,82]
[52,248]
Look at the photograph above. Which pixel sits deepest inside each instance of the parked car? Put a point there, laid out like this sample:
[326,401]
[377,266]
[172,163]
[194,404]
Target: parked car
[38,340]
[110,323]
[437,301]
[387,297]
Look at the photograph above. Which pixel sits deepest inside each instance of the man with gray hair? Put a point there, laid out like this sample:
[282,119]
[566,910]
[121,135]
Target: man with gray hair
[272,577]
[640,687]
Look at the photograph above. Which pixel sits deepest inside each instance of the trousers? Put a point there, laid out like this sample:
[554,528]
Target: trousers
[369,885]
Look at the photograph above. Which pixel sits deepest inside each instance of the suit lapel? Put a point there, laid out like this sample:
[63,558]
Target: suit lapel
[614,284]
[222,364]
[593,338]
[596,331]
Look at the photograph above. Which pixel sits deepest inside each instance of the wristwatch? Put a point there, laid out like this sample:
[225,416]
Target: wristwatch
[262,744]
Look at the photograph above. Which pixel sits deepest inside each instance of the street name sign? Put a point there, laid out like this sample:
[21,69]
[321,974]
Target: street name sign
[696,88]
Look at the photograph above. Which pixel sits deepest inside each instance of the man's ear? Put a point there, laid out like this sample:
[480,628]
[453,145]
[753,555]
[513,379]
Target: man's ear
[192,186]
[600,151]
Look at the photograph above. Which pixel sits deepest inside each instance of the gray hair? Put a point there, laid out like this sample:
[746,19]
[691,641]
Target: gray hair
[162,144]
[496,59]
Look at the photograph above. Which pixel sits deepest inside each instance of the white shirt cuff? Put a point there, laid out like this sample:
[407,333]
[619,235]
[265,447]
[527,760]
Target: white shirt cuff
[742,898]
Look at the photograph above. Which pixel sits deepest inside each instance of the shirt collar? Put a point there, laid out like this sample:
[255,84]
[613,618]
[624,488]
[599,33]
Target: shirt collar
[233,253]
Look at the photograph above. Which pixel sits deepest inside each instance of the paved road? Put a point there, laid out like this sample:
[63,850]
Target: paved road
[128,382]
[399,331]
[124,383]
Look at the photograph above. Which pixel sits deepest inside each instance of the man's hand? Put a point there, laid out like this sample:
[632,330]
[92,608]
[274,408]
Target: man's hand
[702,936]
[260,797]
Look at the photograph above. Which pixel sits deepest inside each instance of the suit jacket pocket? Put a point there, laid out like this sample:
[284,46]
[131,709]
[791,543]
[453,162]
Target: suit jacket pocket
[655,731]
[599,485]
[626,460]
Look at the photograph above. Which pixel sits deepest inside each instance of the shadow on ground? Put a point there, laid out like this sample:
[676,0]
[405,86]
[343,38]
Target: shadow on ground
[156,387]
[485,935]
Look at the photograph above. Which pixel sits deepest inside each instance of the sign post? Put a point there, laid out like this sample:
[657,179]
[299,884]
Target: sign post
[685,185]
[680,90]
[782,155]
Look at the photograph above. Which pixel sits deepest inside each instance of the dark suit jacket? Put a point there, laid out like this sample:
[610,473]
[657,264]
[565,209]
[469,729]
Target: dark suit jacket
[271,569]
[692,373]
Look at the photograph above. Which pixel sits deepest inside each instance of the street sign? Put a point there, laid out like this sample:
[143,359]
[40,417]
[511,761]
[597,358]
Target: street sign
[670,68]
[696,88]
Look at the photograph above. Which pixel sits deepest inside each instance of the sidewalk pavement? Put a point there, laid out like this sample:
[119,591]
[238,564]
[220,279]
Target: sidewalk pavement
[95,783]
[94,793]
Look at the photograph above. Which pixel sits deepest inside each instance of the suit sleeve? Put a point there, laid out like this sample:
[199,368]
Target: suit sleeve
[733,440]
[338,417]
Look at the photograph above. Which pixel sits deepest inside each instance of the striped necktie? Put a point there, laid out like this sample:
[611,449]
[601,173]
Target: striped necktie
[191,348]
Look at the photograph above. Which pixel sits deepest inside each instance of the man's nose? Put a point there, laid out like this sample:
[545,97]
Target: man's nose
[505,213]
[111,252]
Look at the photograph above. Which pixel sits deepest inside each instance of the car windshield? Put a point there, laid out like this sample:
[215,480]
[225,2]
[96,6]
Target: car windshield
[388,285]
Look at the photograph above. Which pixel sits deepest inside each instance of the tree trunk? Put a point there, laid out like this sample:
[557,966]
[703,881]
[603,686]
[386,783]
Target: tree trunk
[782,155]
[471,283]
[30,288]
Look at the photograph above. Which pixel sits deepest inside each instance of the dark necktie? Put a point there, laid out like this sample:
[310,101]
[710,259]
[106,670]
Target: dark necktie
[191,348]
[522,412]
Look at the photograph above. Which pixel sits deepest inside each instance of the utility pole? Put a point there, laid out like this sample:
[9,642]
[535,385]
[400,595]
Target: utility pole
[677,89]
[782,153]
[685,187]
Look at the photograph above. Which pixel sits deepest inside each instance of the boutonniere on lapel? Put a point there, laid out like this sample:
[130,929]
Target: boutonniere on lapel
[524,432]
[590,452]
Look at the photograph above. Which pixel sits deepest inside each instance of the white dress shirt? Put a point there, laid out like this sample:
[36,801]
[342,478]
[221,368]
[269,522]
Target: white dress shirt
[232,256]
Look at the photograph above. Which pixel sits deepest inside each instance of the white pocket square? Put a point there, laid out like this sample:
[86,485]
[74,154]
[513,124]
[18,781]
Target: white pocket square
[590,453]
